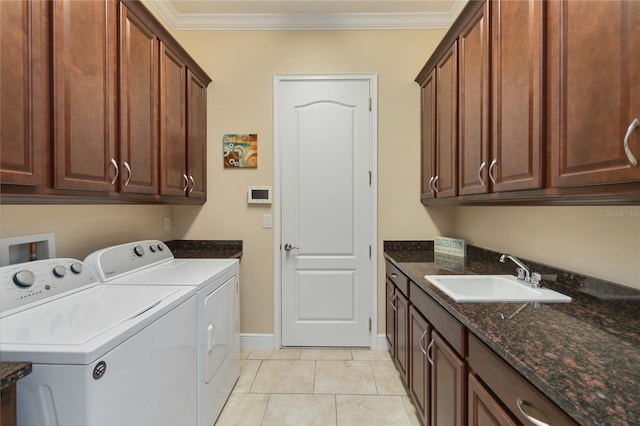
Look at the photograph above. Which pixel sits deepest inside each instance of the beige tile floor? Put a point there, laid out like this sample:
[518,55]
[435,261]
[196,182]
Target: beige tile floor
[343,387]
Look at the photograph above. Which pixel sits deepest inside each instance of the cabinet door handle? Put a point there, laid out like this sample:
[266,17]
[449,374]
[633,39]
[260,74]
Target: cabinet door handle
[393,275]
[491,167]
[428,354]
[393,306]
[435,184]
[482,166]
[430,184]
[632,159]
[520,402]
[128,169]
[193,183]
[115,166]
[186,183]
[422,349]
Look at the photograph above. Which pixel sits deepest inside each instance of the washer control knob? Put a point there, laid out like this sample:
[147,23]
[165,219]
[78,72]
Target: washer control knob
[76,267]
[152,248]
[24,278]
[160,247]
[139,251]
[59,271]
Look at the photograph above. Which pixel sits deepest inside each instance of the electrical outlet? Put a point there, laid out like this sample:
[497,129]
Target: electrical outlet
[167,223]
[266,221]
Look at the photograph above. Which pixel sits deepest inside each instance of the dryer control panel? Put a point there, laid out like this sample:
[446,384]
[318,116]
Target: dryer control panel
[25,284]
[112,262]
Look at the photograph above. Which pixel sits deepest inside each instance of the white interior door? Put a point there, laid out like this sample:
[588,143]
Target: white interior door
[325,130]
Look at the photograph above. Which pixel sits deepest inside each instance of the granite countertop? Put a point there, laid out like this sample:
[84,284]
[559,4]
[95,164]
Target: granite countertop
[10,372]
[584,355]
[206,249]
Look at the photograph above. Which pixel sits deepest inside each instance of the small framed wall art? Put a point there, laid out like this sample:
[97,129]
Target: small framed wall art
[240,150]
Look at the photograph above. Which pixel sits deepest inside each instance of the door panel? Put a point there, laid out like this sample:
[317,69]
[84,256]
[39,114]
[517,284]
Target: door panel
[593,105]
[84,94]
[517,116]
[325,212]
[139,139]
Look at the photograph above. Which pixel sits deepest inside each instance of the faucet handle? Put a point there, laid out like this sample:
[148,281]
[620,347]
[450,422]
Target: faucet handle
[521,273]
[535,279]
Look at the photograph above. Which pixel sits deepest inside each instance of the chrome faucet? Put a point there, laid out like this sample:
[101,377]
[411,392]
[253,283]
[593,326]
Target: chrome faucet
[523,272]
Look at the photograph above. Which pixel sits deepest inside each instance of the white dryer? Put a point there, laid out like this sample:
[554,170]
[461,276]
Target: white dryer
[216,282]
[102,355]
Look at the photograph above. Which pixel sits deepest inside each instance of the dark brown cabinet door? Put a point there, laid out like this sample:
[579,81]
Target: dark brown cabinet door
[594,91]
[84,94]
[173,149]
[473,135]
[428,136]
[517,101]
[448,385]
[446,180]
[484,410]
[391,317]
[196,136]
[24,98]
[419,372]
[139,106]
[402,334]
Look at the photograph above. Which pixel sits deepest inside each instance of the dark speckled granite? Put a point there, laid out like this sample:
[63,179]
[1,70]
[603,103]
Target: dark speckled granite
[584,355]
[10,372]
[211,249]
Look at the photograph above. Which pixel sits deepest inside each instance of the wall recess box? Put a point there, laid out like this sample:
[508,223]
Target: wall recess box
[26,248]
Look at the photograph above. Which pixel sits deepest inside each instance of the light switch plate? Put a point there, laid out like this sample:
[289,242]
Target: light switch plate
[266,221]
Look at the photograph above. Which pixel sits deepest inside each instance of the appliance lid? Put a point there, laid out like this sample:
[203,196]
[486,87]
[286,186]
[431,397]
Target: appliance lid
[190,272]
[79,328]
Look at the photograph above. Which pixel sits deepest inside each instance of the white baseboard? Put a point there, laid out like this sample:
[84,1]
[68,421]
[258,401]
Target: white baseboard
[257,341]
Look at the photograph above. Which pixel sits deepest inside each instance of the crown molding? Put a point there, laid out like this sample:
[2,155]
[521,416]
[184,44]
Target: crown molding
[309,21]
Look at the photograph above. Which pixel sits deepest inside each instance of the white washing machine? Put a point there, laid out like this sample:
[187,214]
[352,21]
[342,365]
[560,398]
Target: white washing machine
[102,355]
[217,284]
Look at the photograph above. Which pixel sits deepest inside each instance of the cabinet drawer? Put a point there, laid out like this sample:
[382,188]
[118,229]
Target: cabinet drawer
[509,386]
[398,278]
[448,327]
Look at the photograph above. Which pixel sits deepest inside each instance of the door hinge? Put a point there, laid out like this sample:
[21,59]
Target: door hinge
[370,104]
[369,252]
[370,177]
[369,324]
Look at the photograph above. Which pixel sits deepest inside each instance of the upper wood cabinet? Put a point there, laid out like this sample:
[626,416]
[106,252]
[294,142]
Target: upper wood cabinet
[196,136]
[546,108]
[517,98]
[24,98]
[99,104]
[139,105]
[473,134]
[428,136]
[445,182]
[173,136]
[594,91]
[84,94]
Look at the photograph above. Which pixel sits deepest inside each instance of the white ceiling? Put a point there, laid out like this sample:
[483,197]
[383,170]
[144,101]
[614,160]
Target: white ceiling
[308,14]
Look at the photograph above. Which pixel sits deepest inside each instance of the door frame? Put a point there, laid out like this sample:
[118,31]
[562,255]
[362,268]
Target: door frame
[278,79]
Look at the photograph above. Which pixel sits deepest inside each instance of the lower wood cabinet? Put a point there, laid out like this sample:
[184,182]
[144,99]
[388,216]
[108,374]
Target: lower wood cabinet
[453,378]
[525,402]
[484,410]
[448,384]
[8,406]
[419,371]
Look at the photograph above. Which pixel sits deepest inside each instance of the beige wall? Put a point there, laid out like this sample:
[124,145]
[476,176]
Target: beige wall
[81,229]
[242,65]
[603,242]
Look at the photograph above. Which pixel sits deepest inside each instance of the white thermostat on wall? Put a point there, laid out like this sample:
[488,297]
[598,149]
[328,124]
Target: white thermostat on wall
[259,195]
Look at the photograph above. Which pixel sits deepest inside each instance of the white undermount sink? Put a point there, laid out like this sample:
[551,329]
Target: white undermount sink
[493,288]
